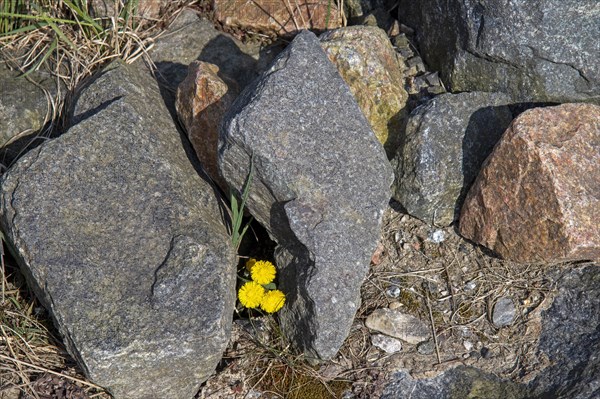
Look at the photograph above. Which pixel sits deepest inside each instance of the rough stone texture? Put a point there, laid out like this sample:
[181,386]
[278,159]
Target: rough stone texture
[537,197]
[145,9]
[460,382]
[191,38]
[202,100]
[278,17]
[24,108]
[368,63]
[122,241]
[320,185]
[544,51]
[445,142]
[571,338]
[400,325]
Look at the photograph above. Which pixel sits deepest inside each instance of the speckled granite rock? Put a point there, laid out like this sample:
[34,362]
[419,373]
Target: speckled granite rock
[24,108]
[445,142]
[570,338]
[122,241]
[368,63]
[320,185]
[537,197]
[460,382]
[540,51]
[277,17]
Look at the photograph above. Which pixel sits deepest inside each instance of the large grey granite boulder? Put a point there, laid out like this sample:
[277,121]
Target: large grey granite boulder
[446,141]
[122,241]
[545,50]
[320,184]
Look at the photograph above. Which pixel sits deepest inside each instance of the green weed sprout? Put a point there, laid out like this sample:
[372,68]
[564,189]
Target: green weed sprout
[237,210]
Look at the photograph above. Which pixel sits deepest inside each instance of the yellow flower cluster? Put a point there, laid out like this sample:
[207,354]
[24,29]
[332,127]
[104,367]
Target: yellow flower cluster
[253,293]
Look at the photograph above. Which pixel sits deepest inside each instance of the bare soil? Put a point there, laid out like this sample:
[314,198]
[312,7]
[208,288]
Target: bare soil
[428,272]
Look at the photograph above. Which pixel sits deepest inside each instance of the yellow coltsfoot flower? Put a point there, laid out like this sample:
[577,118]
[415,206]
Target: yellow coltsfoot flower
[263,272]
[272,301]
[251,294]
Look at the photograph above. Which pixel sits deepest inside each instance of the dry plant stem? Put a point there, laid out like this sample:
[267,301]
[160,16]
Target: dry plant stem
[433,332]
[33,366]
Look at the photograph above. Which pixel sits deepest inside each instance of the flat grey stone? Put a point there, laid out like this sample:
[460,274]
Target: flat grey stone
[122,242]
[426,347]
[320,186]
[386,344]
[504,312]
[400,325]
[446,141]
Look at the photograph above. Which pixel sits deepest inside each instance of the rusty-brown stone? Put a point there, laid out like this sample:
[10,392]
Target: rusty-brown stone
[537,197]
[370,66]
[280,17]
[202,100]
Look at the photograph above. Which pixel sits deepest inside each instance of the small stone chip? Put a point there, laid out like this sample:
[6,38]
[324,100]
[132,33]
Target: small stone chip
[504,312]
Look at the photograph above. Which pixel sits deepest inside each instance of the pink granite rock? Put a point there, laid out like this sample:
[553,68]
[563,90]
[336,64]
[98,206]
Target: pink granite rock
[278,16]
[537,197]
[202,100]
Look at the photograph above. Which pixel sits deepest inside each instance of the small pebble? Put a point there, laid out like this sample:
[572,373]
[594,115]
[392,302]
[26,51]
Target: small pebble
[385,343]
[470,286]
[468,345]
[426,347]
[393,291]
[486,353]
[399,237]
[504,312]
[437,236]
[400,41]
[395,305]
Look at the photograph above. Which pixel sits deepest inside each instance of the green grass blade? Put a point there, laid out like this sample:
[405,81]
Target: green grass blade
[61,35]
[22,29]
[83,15]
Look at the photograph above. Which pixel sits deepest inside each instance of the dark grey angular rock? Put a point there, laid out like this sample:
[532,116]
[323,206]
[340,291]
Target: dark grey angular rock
[25,106]
[540,51]
[122,241]
[460,382]
[446,141]
[570,338]
[191,38]
[320,185]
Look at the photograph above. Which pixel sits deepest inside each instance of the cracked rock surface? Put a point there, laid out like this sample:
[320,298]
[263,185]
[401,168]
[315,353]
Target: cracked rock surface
[121,240]
[543,51]
[320,184]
